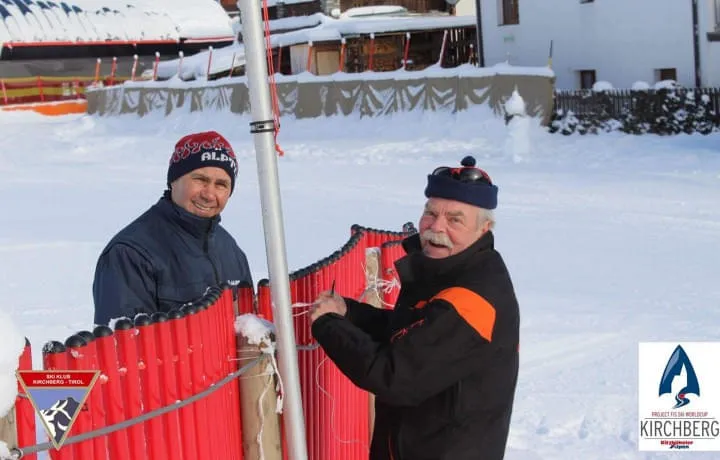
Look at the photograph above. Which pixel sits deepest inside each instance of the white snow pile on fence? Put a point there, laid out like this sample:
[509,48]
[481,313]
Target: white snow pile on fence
[255,329]
[12,348]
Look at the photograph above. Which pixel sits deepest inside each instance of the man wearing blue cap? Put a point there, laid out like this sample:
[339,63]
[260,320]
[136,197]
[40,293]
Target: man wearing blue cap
[443,363]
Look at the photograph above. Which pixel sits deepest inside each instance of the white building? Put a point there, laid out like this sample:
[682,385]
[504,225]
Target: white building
[619,41]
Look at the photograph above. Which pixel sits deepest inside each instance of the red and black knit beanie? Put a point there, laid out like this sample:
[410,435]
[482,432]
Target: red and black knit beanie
[201,150]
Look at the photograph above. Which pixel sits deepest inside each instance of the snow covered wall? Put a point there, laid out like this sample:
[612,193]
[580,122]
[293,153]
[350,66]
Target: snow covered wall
[367,94]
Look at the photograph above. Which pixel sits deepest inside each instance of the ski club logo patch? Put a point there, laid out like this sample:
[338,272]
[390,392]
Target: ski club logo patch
[58,397]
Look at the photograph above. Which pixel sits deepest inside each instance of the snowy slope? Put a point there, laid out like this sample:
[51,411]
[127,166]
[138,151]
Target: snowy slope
[610,240]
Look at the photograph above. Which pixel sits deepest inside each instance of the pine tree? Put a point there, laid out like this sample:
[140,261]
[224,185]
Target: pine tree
[686,115]
[669,104]
[705,116]
[565,123]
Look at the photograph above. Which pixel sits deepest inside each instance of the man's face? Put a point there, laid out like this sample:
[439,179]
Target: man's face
[203,192]
[448,227]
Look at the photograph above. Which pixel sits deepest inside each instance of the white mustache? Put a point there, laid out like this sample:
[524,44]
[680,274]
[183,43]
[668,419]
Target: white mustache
[436,238]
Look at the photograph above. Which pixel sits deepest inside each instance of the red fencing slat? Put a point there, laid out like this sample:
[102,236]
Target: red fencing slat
[95,401]
[264,303]
[127,337]
[56,358]
[215,316]
[231,365]
[215,442]
[201,408]
[119,449]
[188,424]
[166,359]
[24,412]
[79,359]
[245,299]
[150,381]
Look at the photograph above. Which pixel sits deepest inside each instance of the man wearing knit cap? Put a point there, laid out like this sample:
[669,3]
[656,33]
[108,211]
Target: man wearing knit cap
[443,363]
[176,250]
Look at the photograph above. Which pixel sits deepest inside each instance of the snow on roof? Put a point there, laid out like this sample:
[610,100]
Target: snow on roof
[196,66]
[331,29]
[103,20]
[296,22]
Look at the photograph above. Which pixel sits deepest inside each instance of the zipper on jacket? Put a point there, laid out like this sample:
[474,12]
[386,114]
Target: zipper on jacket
[206,249]
[458,401]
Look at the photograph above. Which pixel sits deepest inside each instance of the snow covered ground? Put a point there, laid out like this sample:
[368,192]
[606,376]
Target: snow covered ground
[610,240]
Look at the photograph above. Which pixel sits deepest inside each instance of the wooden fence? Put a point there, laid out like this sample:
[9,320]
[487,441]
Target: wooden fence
[584,102]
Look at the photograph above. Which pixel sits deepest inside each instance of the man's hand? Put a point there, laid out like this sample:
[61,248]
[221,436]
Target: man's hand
[327,303]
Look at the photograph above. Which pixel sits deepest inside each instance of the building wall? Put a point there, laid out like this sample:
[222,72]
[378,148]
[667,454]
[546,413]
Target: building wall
[300,9]
[709,50]
[623,41]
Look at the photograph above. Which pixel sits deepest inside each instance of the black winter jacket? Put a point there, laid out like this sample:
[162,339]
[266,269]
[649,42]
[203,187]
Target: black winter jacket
[163,259]
[443,363]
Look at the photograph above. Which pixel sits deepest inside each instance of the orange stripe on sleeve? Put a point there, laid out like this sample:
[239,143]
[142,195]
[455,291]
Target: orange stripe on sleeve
[472,307]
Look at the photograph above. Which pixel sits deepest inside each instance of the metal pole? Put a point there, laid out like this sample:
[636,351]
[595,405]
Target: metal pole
[262,128]
[696,43]
[479,33]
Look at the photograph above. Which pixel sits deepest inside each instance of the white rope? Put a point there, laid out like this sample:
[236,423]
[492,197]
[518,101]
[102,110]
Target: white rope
[279,389]
[332,410]
[261,415]
[375,285]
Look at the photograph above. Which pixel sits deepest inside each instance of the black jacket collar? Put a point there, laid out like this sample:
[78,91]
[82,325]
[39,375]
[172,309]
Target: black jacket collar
[194,225]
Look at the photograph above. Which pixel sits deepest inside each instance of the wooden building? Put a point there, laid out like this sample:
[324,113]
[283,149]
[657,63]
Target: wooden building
[385,52]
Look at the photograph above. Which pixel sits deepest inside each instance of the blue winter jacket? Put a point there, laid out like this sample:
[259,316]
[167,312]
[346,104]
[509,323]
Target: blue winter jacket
[163,259]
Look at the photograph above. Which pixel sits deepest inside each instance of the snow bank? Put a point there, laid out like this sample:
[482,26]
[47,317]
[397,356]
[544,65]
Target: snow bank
[196,66]
[12,348]
[640,86]
[666,84]
[600,86]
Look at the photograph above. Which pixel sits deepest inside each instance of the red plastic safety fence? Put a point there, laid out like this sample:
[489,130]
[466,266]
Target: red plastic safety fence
[152,362]
[335,410]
